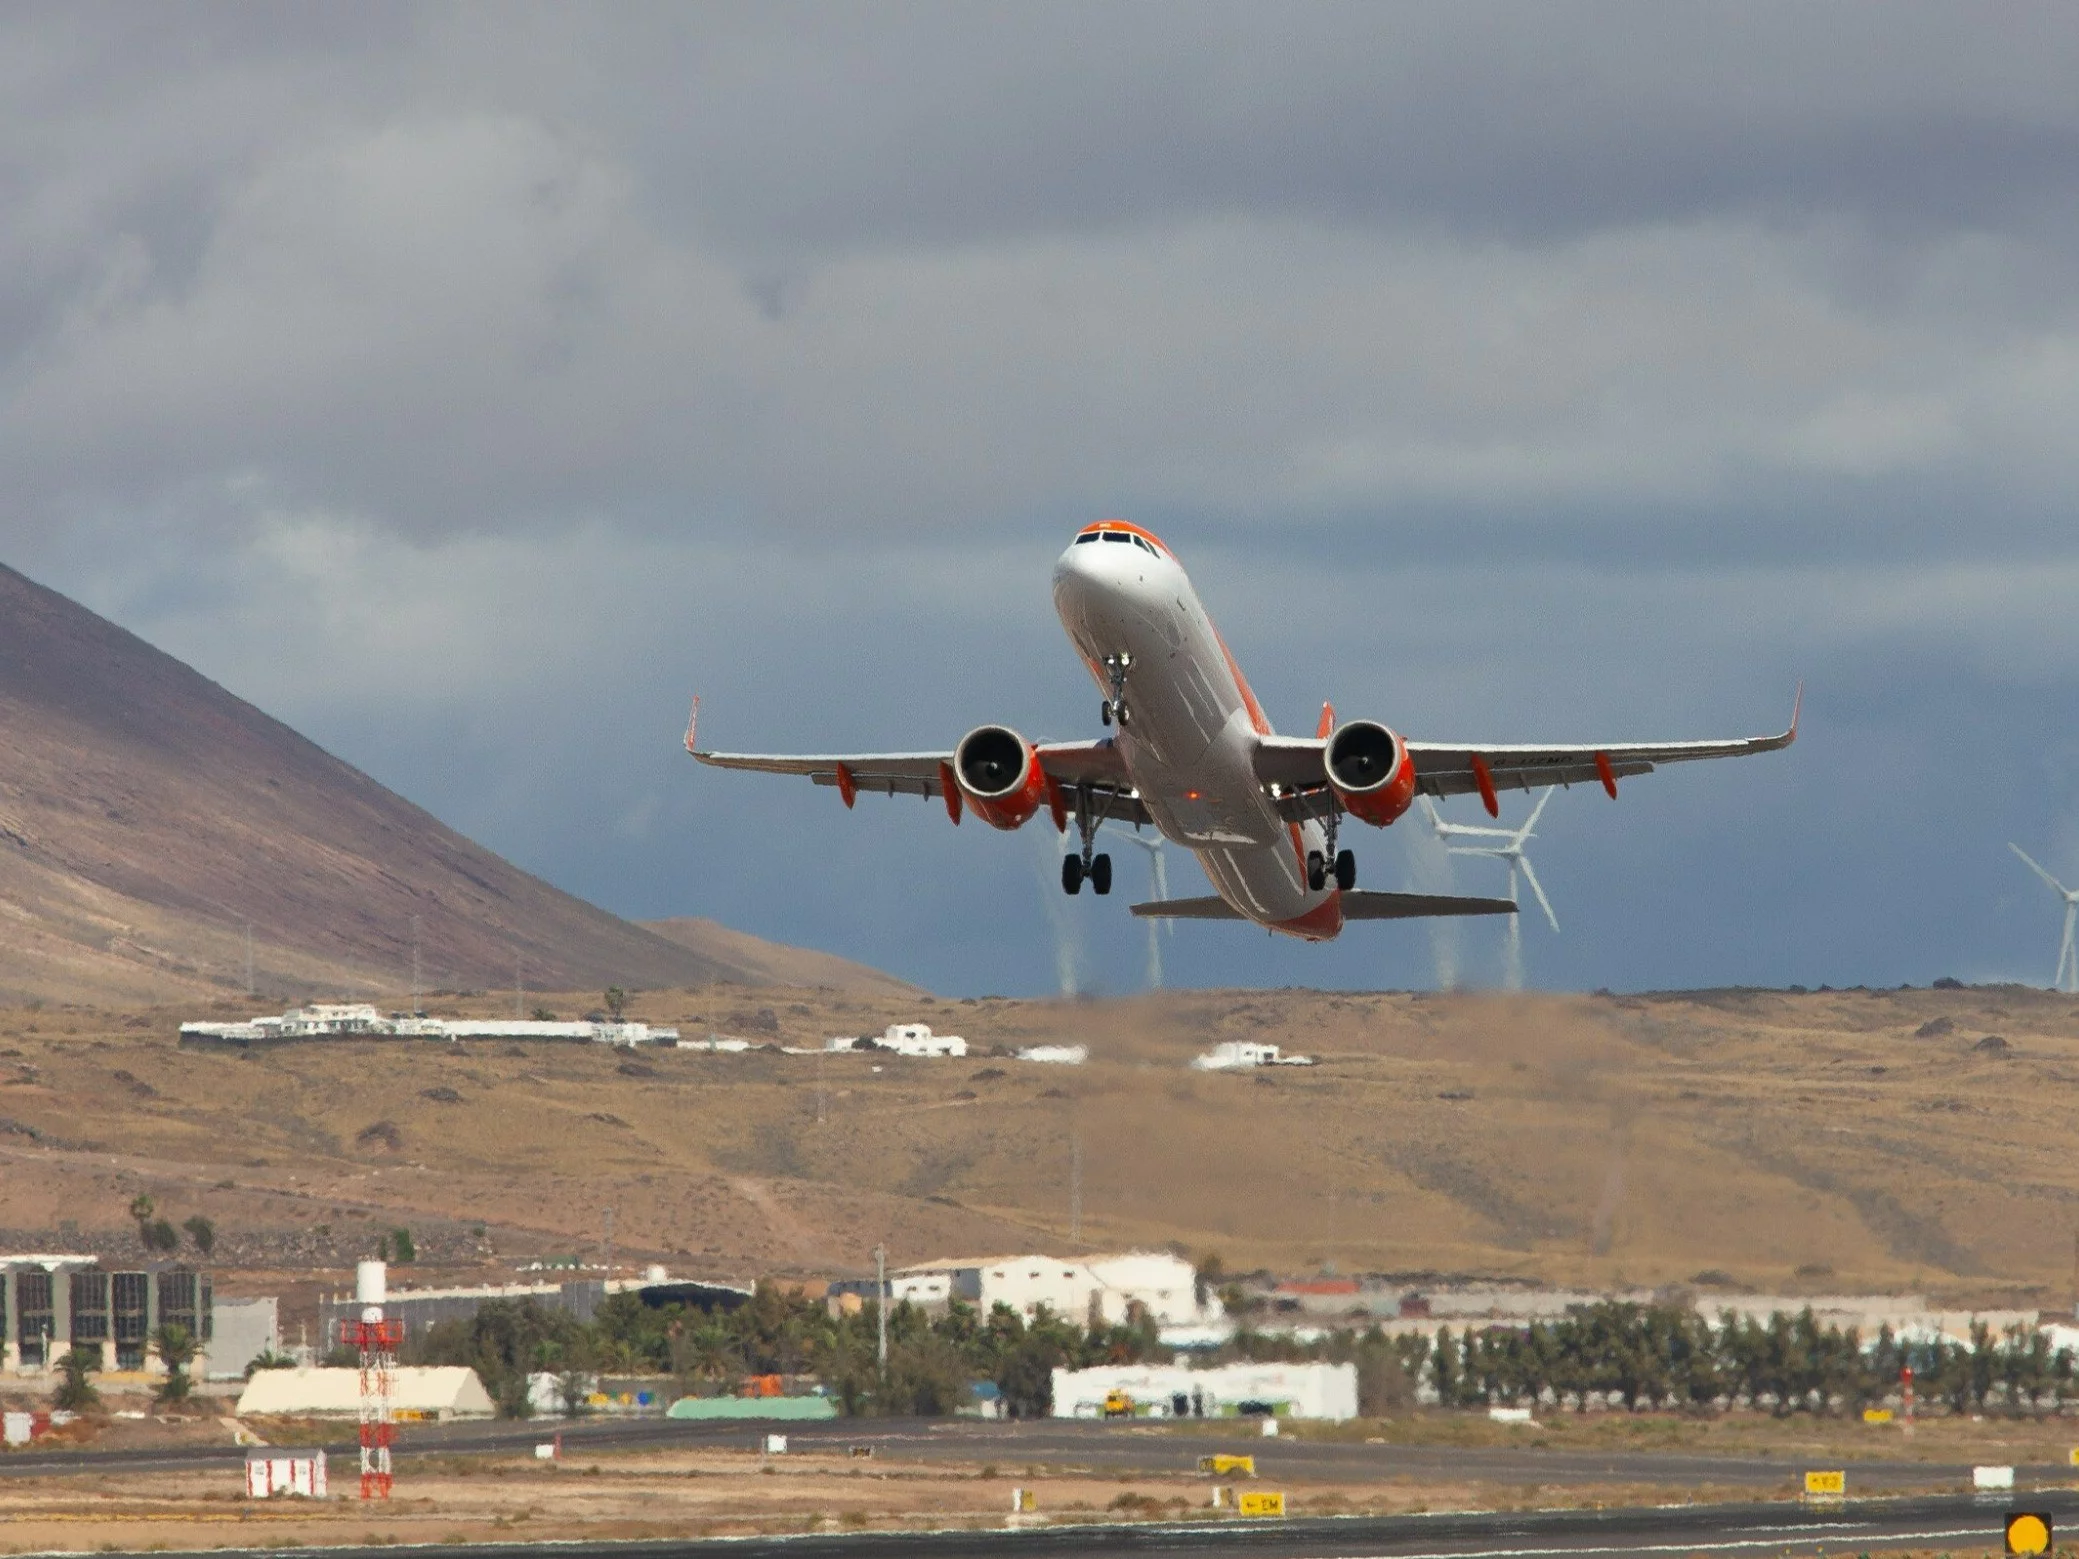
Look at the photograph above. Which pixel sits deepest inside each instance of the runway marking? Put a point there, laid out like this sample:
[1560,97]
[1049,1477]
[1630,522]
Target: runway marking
[1681,1548]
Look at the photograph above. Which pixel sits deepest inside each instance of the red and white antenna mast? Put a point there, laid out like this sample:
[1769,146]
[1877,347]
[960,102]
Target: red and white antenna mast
[376,1340]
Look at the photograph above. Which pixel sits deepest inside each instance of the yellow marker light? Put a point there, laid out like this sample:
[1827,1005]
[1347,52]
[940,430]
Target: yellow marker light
[2028,1532]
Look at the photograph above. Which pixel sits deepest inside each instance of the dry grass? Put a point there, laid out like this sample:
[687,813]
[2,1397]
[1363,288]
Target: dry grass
[1790,1140]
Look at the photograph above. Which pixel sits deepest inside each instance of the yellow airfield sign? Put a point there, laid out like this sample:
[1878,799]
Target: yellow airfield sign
[1258,1504]
[1826,1484]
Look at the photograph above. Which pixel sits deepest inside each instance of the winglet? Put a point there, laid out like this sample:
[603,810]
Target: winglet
[1797,706]
[1327,726]
[692,720]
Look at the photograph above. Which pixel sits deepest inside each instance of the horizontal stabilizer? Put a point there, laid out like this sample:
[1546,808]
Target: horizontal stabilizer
[1414,906]
[1356,906]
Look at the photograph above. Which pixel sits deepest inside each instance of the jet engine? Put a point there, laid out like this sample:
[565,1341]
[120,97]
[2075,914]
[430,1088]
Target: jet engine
[1373,775]
[999,775]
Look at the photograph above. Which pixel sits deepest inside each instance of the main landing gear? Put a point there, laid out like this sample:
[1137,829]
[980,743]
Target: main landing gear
[1344,867]
[1319,870]
[1086,865]
[1114,708]
[1098,872]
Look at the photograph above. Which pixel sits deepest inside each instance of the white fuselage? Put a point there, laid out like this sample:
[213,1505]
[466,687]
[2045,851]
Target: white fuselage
[1190,739]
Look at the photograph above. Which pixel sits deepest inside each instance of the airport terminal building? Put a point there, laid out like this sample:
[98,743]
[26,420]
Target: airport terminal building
[50,1304]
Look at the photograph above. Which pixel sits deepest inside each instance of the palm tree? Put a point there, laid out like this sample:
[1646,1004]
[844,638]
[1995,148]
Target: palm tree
[75,1393]
[175,1345]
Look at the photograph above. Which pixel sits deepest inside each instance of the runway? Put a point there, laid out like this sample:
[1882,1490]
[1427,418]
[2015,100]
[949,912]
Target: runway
[1964,1523]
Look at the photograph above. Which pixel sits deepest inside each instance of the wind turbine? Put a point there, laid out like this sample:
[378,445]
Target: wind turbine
[1156,925]
[2067,977]
[1501,844]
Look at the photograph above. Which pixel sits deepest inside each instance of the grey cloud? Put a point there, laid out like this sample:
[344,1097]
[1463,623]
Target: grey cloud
[1501,370]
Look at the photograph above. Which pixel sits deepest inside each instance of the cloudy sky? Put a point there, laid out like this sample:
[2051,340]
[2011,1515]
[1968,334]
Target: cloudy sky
[468,386]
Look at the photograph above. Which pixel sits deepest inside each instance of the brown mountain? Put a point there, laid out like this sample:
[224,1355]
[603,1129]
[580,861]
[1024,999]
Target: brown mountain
[775,963]
[148,818]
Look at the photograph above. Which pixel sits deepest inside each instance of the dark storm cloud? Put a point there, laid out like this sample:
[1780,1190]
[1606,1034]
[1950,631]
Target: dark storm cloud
[1506,370]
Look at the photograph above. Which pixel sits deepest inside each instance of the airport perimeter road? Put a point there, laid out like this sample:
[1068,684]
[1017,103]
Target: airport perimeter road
[1063,1446]
[1953,1522]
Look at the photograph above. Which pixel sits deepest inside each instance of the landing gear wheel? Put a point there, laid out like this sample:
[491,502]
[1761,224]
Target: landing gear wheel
[1101,874]
[1072,874]
[1317,871]
[1346,871]
[1104,712]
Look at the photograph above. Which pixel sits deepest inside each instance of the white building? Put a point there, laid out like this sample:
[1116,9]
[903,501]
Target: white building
[1232,1055]
[1095,1291]
[245,1329]
[1056,1055]
[1177,1391]
[339,1020]
[440,1392]
[906,1039]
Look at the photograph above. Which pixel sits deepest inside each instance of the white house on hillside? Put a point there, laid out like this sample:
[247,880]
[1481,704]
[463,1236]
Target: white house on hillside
[1095,1290]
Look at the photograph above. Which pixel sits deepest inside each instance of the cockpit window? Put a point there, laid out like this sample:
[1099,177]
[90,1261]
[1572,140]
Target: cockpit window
[1088,535]
[1117,535]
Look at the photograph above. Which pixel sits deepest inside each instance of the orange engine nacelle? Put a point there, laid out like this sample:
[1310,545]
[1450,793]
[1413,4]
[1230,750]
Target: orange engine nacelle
[999,775]
[1371,770]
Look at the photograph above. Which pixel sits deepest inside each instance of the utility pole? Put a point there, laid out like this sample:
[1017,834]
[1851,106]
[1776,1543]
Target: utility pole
[517,987]
[609,1244]
[249,959]
[415,1010]
[880,1268]
[819,1121]
[1075,1186]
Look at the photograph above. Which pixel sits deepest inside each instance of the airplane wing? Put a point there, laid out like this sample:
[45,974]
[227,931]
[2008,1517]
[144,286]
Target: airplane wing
[1356,906]
[1071,765]
[1296,766]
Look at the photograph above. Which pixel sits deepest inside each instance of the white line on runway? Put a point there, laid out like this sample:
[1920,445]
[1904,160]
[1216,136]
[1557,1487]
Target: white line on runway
[1819,1532]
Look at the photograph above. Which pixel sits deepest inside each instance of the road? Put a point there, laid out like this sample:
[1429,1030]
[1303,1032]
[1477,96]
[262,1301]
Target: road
[1060,1445]
[1949,1522]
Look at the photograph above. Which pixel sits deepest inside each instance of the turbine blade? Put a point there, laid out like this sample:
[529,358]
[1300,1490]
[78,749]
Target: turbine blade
[1531,822]
[1530,876]
[2067,956]
[2027,861]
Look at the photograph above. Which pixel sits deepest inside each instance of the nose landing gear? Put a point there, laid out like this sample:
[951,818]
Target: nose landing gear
[1114,708]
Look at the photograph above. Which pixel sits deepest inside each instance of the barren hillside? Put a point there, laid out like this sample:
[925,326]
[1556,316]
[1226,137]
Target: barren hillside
[147,817]
[1862,1140]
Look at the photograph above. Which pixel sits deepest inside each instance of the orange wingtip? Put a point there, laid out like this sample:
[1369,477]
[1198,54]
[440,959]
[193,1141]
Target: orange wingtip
[692,720]
[1797,707]
[1326,727]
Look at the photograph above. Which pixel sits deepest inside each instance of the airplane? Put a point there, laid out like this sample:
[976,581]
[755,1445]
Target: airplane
[1194,756]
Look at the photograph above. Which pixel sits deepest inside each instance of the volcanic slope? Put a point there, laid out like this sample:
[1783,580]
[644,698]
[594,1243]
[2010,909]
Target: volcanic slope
[1824,1142]
[147,817]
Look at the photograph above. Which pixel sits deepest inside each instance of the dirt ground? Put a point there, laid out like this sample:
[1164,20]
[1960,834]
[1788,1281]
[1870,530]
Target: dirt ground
[1817,1142]
[717,1492]
[659,1494]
